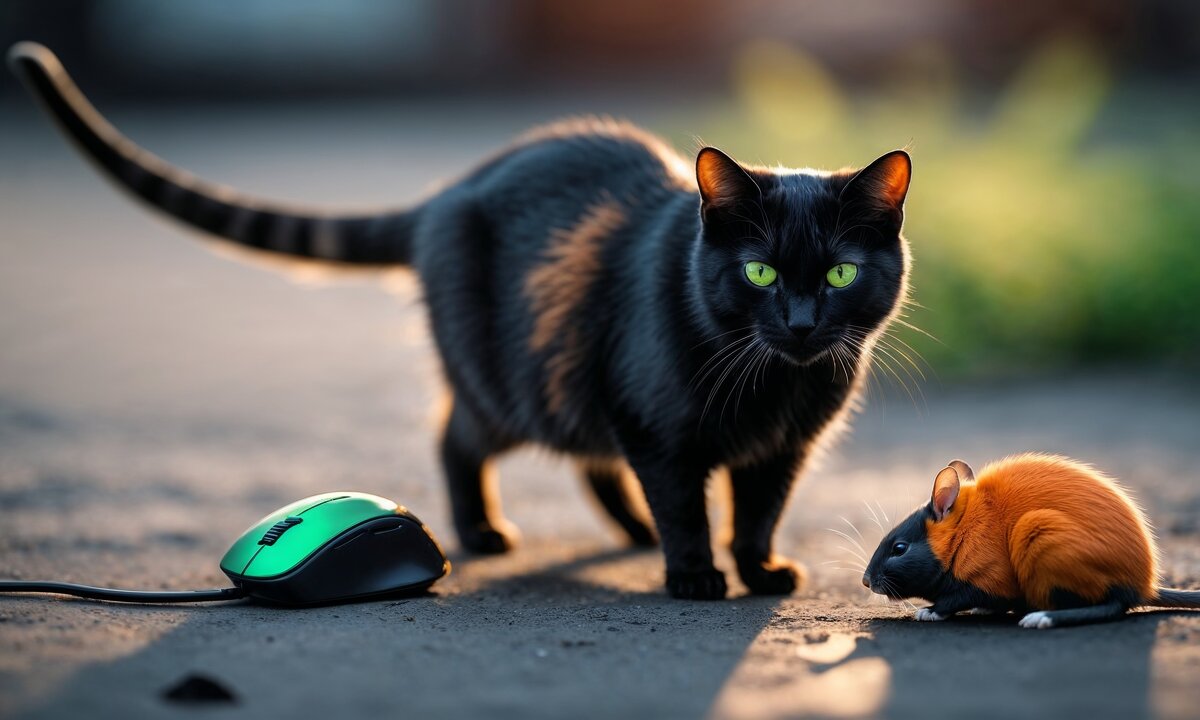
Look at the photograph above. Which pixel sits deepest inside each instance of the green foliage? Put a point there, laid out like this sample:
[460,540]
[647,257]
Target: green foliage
[1038,241]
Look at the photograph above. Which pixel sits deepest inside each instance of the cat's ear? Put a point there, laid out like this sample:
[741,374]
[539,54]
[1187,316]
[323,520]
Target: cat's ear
[945,492]
[878,190]
[724,184]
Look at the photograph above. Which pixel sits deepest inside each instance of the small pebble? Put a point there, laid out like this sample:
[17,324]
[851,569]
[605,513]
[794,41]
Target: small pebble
[196,689]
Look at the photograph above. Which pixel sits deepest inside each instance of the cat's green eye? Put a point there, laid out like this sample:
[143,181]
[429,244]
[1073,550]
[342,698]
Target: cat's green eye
[842,274]
[761,274]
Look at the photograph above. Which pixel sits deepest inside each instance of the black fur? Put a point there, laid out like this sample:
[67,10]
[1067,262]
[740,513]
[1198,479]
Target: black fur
[1171,598]
[584,298]
[917,573]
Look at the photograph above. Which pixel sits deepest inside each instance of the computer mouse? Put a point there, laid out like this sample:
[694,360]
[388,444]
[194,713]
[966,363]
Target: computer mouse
[335,547]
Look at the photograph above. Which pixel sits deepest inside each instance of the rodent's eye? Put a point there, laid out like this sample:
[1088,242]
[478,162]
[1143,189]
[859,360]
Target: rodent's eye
[760,273]
[899,548]
[842,274]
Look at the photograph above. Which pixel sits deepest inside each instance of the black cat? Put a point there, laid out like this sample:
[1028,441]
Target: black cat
[591,294]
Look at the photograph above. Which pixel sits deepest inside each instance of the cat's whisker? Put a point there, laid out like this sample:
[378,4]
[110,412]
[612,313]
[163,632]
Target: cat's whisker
[721,335]
[891,334]
[849,359]
[886,341]
[768,355]
[881,359]
[740,384]
[733,344]
[885,351]
[912,356]
[914,328]
[729,366]
[904,360]
[718,359]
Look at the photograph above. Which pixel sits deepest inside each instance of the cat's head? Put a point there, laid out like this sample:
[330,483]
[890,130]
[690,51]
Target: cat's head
[804,260]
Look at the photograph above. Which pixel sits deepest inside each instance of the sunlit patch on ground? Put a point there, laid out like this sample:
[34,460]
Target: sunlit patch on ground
[820,676]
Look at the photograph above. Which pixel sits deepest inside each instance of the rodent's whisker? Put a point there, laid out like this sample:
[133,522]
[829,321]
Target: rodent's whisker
[886,519]
[854,542]
[874,516]
[852,527]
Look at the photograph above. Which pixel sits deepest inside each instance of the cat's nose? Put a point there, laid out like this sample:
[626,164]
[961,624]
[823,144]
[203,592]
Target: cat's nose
[802,317]
[866,581]
[801,329]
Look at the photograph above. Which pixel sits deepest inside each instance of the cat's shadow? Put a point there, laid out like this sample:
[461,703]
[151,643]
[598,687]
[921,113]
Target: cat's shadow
[606,613]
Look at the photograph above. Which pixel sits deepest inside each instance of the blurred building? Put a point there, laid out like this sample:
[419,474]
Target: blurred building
[259,48]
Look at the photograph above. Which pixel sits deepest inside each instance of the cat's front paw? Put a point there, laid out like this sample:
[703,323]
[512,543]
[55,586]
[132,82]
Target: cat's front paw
[928,615]
[777,576]
[703,585]
[486,539]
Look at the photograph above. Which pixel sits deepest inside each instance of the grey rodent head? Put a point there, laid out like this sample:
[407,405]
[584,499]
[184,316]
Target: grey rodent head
[904,565]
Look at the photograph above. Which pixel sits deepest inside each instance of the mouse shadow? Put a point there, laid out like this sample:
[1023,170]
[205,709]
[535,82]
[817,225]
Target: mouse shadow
[590,630]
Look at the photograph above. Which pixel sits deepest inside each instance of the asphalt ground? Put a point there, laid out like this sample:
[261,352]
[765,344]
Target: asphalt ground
[157,398]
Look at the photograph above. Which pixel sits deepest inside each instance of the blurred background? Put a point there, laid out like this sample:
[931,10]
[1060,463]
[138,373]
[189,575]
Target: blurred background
[1054,212]
[157,397]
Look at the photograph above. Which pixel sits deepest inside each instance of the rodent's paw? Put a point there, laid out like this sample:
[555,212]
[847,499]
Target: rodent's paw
[1039,620]
[703,585]
[928,615]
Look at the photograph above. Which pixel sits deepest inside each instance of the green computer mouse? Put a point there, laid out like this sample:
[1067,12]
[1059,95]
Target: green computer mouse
[332,548]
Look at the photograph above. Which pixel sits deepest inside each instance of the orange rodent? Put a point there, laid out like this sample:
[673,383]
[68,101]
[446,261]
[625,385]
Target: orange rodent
[1034,532]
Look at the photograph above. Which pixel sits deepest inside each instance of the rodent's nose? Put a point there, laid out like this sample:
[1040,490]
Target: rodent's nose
[866,581]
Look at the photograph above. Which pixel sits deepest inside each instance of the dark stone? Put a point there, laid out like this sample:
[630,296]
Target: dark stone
[199,689]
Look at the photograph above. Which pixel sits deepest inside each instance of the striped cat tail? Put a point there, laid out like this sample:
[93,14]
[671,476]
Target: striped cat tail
[378,239]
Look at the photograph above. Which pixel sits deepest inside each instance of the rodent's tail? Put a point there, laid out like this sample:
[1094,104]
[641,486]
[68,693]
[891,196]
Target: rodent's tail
[1168,598]
[369,239]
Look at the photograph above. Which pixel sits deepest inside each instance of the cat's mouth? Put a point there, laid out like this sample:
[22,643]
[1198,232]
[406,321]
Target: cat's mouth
[801,351]
[802,356]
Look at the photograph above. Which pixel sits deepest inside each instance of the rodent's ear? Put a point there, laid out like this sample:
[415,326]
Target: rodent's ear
[965,473]
[945,492]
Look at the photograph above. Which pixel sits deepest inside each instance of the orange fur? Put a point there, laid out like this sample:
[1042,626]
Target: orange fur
[1032,523]
[557,287]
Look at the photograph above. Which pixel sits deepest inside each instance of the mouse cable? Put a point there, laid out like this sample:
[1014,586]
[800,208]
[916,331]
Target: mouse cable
[114,595]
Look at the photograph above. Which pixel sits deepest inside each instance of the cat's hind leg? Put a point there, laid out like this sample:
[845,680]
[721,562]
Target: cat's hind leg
[610,483]
[466,449]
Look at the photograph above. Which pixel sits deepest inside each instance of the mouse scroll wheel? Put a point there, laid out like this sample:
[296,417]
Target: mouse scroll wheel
[278,529]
